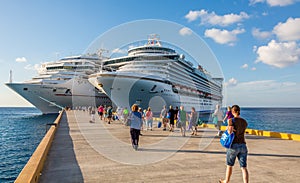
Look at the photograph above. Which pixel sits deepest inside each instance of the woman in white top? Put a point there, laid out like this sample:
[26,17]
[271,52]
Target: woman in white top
[218,119]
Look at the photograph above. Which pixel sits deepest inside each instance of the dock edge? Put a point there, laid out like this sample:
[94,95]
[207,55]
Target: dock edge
[264,133]
[32,170]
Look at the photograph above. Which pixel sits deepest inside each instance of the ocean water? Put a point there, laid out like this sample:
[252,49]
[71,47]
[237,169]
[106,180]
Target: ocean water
[285,120]
[21,130]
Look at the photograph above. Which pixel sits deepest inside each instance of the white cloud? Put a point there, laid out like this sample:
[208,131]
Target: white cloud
[274,2]
[214,19]
[118,50]
[254,49]
[245,66]
[281,2]
[21,59]
[194,15]
[131,46]
[252,2]
[231,82]
[261,34]
[265,85]
[279,54]
[223,36]
[35,67]
[185,31]
[288,31]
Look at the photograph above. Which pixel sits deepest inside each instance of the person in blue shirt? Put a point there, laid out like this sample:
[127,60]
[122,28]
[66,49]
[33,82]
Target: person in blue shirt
[135,126]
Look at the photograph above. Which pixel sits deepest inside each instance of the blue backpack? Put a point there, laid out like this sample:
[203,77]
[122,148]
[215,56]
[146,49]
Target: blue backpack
[159,124]
[227,139]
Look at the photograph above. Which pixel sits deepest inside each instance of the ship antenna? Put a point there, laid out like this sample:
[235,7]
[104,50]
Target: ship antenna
[99,53]
[57,55]
[10,76]
[153,39]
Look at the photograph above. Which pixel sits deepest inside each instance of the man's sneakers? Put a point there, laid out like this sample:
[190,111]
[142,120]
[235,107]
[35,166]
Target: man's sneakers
[135,147]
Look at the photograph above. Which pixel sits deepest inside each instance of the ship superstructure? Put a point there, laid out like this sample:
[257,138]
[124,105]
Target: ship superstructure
[63,83]
[154,75]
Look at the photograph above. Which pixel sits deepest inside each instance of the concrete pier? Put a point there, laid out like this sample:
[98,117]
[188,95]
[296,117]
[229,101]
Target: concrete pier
[98,152]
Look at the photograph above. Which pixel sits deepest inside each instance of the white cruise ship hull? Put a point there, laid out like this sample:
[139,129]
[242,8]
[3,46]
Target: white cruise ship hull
[126,90]
[51,98]
[34,97]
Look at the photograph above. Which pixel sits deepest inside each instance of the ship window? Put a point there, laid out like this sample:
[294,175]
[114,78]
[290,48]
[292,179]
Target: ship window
[174,89]
[25,89]
[54,90]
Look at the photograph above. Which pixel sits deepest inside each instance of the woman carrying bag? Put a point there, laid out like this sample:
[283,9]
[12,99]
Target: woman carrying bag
[238,148]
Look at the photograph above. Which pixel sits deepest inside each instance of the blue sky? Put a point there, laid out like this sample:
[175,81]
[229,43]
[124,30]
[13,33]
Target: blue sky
[257,42]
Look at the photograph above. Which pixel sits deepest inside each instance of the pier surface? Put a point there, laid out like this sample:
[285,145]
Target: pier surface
[100,152]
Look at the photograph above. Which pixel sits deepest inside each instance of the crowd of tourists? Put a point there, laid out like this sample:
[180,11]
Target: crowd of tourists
[138,120]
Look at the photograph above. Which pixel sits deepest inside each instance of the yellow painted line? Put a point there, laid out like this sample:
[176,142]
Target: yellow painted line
[263,133]
[32,170]
[280,135]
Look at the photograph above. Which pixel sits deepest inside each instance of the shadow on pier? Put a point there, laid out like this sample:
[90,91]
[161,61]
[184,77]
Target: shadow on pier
[63,164]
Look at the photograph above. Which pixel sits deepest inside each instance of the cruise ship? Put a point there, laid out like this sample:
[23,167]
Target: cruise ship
[154,75]
[63,83]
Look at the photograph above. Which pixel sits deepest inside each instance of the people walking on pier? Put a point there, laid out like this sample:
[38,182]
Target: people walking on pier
[193,121]
[89,110]
[140,110]
[105,113]
[238,147]
[171,115]
[228,115]
[125,115]
[100,111]
[118,115]
[163,116]
[149,119]
[135,126]
[92,112]
[182,116]
[218,119]
[176,113]
[109,114]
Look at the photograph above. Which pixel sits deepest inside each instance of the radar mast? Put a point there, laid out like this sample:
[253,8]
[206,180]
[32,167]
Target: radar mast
[153,39]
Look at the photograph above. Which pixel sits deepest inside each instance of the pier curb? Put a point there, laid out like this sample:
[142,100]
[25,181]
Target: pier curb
[264,133]
[32,170]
